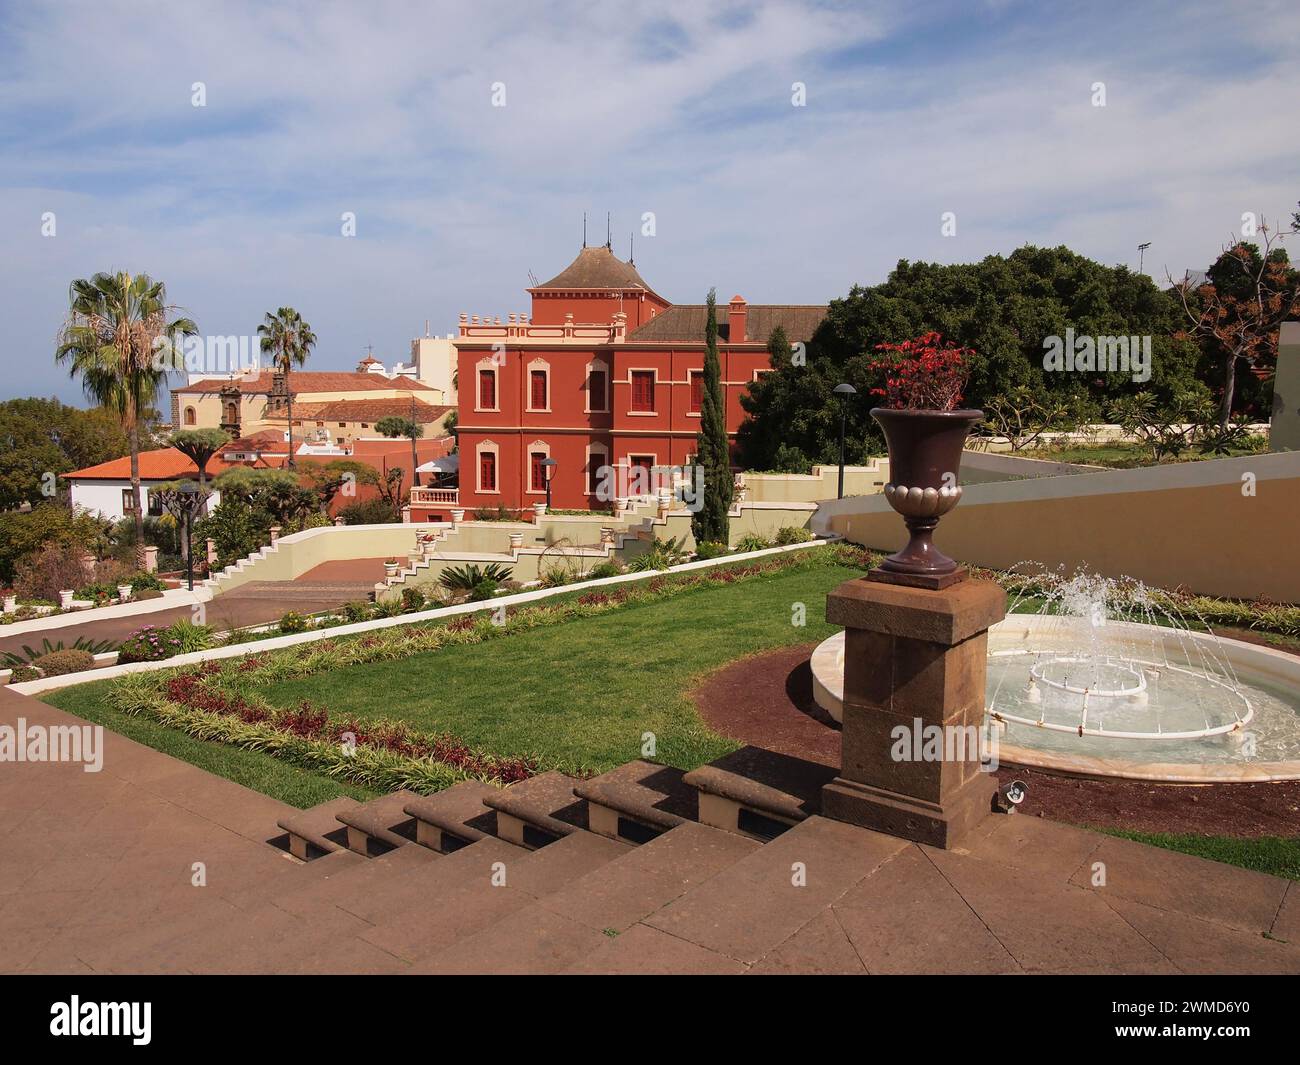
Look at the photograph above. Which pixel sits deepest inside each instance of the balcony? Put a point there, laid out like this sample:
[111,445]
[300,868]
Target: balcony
[435,497]
[517,327]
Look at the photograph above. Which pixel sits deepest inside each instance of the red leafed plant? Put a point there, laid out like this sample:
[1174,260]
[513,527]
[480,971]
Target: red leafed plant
[923,374]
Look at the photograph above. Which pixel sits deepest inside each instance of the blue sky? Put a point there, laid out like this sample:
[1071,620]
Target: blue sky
[680,109]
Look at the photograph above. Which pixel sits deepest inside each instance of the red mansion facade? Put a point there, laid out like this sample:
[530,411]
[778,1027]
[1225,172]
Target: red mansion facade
[603,373]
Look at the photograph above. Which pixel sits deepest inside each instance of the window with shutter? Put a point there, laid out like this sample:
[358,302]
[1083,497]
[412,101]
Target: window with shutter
[643,390]
[538,386]
[487,472]
[596,391]
[487,389]
[697,391]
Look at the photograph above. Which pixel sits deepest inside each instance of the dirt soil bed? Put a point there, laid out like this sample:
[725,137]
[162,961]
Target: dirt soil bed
[767,700]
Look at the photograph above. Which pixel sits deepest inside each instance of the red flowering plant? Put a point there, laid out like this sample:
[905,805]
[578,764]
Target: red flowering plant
[922,374]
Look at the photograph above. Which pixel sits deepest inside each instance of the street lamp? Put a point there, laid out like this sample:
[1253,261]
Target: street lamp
[548,470]
[843,391]
[192,498]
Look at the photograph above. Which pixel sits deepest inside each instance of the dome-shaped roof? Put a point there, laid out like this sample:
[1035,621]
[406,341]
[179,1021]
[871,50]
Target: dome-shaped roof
[596,267]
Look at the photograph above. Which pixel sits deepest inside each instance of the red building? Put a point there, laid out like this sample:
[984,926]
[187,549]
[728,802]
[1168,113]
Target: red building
[604,373]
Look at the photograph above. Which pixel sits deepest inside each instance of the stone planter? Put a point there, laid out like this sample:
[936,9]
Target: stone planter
[65,598]
[606,535]
[457,515]
[124,592]
[620,505]
[11,604]
[516,541]
[924,461]
[275,534]
[539,511]
[390,569]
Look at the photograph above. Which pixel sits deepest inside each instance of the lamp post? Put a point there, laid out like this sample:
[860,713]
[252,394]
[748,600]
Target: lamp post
[192,498]
[843,391]
[548,470]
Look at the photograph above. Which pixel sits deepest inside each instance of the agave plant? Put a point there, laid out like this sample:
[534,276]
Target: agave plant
[662,554]
[467,578]
[10,659]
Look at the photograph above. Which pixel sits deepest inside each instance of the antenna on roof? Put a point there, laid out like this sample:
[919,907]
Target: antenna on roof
[584,229]
[631,256]
[532,277]
[609,239]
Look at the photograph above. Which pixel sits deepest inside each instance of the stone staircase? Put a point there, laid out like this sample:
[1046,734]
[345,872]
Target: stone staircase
[542,876]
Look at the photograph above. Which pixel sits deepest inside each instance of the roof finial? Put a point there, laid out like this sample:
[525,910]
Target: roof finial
[584,229]
[609,238]
[631,249]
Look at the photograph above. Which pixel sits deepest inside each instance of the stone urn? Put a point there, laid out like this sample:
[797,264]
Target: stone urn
[390,568]
[124,592]
[457,515]
[925,449]
[516,541]
[65,598]
[539,512]
[11,604]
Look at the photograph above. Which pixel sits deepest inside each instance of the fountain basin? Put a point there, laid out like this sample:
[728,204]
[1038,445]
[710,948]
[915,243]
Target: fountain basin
[1212,723]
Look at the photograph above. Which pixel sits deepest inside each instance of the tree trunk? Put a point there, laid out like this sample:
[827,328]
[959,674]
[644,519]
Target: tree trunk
[133,439]
[415,462]
[1229,381]
[288,400]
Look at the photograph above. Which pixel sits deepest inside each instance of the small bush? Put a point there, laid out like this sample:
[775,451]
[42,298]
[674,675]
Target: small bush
[46,573]
[71,660]
[711,550]
[189,636]
[147,644]
[387,608]
[789,534]
[293,622]
[356,611]
[145,582]
[148,593]
[603,570]
[485,589]
[753,542]
[23,673]
[412,600]
[368,512]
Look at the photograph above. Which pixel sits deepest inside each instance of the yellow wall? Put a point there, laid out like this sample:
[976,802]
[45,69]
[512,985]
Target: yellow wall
[1188,524]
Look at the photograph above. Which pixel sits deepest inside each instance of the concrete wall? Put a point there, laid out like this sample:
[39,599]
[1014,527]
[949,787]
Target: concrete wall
[1284,429]
[822,483]
[1188,524]
[982,467]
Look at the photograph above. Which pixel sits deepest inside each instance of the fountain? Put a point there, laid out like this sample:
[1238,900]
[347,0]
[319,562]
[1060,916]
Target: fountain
[1103,676]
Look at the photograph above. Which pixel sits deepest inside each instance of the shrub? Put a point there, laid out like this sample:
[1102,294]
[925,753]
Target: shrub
[555,577]
[485,589]
[189,636]
[412,600]
[789,534]
[604,569]
[368,512]
[467,578]
[387,608]
[753,542]
[20,674]
[145,582]
[293,622]
[57,663]
[30,655]
[49,571]
[147,644]
[498,513]
[710,549]
[356,611]
[148,593]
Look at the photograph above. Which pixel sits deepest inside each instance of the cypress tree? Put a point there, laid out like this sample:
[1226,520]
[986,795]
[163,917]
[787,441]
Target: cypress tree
[710,524]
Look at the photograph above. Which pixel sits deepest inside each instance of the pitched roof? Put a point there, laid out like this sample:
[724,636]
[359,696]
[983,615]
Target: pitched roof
[367,410]
[163,464]
[262,440]
[304,382]
[685,321]
[596,268]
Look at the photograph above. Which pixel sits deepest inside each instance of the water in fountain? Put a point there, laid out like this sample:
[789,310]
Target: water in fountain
[1110,668]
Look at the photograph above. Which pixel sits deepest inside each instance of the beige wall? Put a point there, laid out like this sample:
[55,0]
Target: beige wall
[822,483]
[1186,524]
[1284,430]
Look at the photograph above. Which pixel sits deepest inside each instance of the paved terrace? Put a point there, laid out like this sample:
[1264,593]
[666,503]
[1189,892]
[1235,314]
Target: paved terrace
[95,876]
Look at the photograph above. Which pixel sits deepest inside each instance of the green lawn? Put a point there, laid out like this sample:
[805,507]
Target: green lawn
[582,694]
[1270,854]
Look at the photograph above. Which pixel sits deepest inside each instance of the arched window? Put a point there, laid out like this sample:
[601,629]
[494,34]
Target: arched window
[190,416]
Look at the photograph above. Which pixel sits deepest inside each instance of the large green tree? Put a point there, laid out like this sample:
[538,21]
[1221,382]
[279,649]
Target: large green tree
[1004,307]
[394,426]
[288,340]
[199,445]
[115,330]
[712,453]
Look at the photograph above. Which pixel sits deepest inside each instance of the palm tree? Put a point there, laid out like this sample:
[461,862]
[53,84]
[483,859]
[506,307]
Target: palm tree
[114,338]
[288,340]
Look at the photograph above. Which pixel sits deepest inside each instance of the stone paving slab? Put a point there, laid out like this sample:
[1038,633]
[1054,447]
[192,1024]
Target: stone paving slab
[643,950]
[819,948]
[1198,946]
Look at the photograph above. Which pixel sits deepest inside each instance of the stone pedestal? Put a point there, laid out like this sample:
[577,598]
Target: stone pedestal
[914,674]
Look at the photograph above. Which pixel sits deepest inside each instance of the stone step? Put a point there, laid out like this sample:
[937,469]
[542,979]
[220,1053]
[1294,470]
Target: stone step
[490,885]
[379,825]
[754,905]
[338,879]
[316,831]
[649,877]
[539,810]
[525,937]
[759,793]
[455,817]
[637,801]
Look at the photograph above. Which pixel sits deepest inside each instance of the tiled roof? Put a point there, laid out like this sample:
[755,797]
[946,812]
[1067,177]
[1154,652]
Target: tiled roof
[367,410]
[304,382]
[164,464]
[596,268]
[685,321]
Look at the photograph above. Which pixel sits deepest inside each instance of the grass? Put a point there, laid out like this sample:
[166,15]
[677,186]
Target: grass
[253,769]
[1122,456]
[583,695]
[1268,854]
